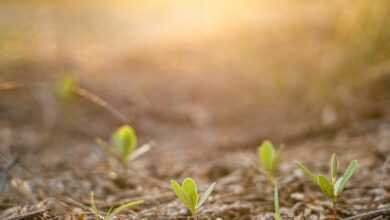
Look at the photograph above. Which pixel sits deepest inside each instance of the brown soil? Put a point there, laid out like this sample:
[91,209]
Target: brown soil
[207,129]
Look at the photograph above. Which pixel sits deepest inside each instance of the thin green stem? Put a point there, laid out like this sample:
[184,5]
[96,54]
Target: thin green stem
[334,210]
[271,179]
[276,202]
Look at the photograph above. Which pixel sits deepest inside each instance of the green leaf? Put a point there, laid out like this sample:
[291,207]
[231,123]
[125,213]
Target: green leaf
[276,204]
[267,156]
[189,187]
[187,193]
[122,208]
[111,212]
[205,195]
[333,168]
[307,172]
[107,216]
[181,195]
[125,141]
[325,186]
[340,184]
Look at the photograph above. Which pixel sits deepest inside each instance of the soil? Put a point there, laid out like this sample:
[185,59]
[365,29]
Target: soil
[205,128]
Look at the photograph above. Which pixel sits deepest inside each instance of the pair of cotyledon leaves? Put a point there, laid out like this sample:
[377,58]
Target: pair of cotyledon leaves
[331,187]
[269,158]
[125,141]
[187,193]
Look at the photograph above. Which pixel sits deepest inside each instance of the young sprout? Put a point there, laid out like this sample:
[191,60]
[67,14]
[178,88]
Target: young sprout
[277,215]
[331,187]
[124,141]
[187,193]
[269,159]
[66,89]
[112,212]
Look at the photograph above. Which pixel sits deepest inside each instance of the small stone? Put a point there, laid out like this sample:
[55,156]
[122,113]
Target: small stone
[307,212]
[297,196]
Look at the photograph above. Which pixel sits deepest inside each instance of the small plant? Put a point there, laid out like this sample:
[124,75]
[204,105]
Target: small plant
[277,215]
[124,145]
[125,141]
[112,212]
[269,159]
[66,89]
[187,193]
[331,187]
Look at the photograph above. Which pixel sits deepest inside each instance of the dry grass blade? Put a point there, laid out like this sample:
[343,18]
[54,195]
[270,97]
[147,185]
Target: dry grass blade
[101,102]
[371,214]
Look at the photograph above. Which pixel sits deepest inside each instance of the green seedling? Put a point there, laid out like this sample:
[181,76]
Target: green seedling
[125,141]
[112,212]
[124,145]
[187,193]
[66,89]
[269,159]
[277,215]
[331,187]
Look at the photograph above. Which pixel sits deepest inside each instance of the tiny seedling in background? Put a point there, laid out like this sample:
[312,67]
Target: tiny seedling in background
[187,193]
[277,215]
[331,187]
[66,89]
[112,212]
[269,159]
[124,145]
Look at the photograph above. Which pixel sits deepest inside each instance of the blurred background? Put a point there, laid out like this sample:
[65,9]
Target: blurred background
[219,72]
[204,81]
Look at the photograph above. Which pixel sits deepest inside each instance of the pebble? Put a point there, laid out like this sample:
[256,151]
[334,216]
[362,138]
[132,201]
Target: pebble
[297,196]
